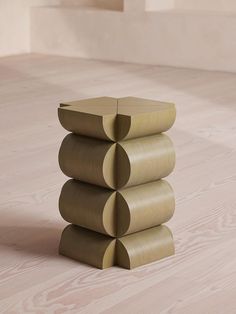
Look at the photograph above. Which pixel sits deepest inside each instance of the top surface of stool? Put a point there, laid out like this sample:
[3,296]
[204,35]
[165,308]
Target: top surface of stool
[114,119]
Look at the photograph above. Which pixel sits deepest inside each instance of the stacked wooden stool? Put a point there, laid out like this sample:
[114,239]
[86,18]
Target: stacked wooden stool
[116,201]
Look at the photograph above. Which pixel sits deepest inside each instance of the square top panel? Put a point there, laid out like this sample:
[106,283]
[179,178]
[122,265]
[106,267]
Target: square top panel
[115,119]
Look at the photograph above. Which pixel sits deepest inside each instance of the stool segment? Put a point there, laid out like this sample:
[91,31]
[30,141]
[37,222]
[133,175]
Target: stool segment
[116,201]
[88,247]
[117,213]
[113,119]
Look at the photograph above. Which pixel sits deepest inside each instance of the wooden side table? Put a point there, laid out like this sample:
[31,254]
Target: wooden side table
[117,200]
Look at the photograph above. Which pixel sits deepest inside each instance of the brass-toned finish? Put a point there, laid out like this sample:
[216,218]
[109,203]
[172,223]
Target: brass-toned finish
[91,117]
[88,247]
[144,206]
[89,160]
[144,159]
[115,166]
[117,213]
[89,206]
[144,247]
[139,117]
[114,119]
[130,251]
[117,200]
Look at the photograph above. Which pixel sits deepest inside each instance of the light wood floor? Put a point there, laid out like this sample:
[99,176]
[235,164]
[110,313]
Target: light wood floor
[201,277]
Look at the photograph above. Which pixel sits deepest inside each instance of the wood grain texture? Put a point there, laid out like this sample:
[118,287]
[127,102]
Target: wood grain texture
[130,251]
[89,206]
[144,247]
[144,159]
[138,117]
[116,213]
[90,117]
[89,160]
[117,165]
[201,277]
[116,119]
[144,206]
[88,247]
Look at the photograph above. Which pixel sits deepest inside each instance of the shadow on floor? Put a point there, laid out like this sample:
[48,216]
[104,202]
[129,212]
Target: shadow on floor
[35,240]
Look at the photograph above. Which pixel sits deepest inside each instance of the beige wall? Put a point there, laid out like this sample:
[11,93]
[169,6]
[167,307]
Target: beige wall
[107,4]
[126,5]
[154,5]
[15,25]
[148,5]
[185,39]
[219,5]
[188,39]
[134,5]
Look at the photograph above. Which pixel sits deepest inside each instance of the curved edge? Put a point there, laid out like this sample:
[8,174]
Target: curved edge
[122,258]
[109,256]
[123,217]
[171,155]
[173,149]
[174,113]
[61,118]
[109,215]
[109,127]
[168,191]
[80,122]
[145,247]
[137,124]
[60,203]
[123,126]
[109,167]
[169,232]
[87,247]
[123,167]
[60,153]
[169,185]
[171,190]
[60,251]
[80,204]
[165,227]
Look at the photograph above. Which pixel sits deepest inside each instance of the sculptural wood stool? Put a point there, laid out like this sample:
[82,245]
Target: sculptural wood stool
[116,201]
